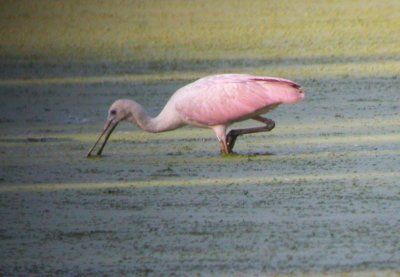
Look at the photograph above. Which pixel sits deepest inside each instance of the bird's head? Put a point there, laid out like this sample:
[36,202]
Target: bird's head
[118,111]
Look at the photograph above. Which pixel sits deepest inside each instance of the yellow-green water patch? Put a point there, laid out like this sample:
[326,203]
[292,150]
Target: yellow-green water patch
[375,176]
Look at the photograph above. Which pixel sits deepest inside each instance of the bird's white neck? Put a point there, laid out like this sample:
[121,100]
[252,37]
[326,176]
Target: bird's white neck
[161,123]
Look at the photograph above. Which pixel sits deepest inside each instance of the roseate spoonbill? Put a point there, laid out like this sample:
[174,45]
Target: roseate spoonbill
[213,102]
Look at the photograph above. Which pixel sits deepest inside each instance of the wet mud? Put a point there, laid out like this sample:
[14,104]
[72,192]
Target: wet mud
[320,194]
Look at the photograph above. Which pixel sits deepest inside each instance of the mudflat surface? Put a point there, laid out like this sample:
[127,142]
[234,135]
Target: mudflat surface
[318,194]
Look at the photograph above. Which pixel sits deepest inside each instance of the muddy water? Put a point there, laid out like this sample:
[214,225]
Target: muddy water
[318,194]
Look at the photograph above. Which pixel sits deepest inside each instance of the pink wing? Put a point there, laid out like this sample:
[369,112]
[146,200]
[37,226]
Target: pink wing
[223,99]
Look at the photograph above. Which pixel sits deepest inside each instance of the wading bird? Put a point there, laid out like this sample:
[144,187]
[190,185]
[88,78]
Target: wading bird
[213,102]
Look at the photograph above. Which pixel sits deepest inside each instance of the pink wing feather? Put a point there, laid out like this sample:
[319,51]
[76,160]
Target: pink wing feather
[222,99]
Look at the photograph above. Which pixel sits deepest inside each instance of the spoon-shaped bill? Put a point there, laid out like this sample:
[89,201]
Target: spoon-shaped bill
[107,130]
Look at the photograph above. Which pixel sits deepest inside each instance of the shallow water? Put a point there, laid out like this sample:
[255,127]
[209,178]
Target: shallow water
[318,194]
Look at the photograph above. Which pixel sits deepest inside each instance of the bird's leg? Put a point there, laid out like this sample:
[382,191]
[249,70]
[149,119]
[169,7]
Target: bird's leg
[220,132]
[233,134]
[224,147]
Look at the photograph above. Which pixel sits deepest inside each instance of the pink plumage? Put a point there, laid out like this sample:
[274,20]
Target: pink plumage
[213,102]
[227,98]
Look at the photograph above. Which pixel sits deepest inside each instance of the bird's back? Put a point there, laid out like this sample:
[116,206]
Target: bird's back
[222,99]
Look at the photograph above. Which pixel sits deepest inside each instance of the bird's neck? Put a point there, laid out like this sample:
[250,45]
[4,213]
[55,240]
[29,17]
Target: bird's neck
[160,123]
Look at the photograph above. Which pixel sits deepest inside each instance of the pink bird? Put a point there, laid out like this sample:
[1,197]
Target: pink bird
[213,102]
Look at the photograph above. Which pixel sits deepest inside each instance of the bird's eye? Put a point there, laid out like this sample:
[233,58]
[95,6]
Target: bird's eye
[113,112]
